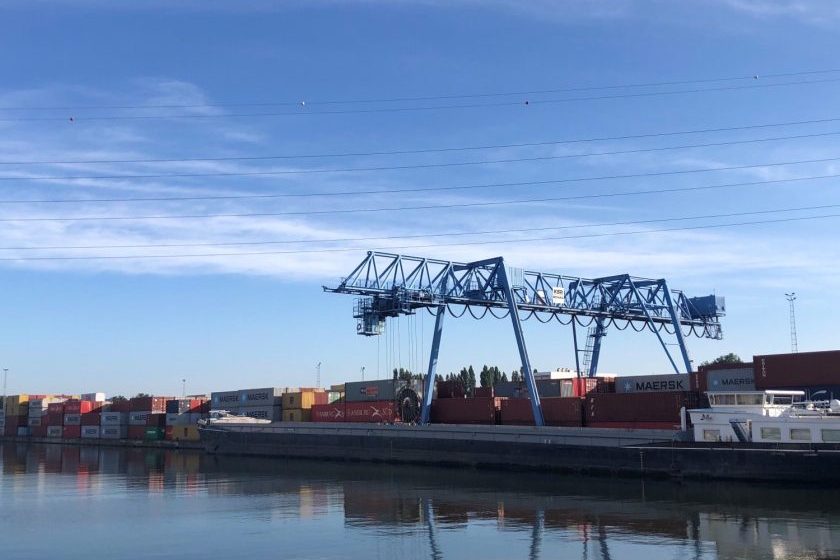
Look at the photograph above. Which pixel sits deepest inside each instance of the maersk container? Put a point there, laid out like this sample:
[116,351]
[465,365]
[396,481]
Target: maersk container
[653,383]
[90,432]
[273,412]
[55,431]
[72,419]
[114,432]
[267,396]
[224,400]
[138,418]
[113,419]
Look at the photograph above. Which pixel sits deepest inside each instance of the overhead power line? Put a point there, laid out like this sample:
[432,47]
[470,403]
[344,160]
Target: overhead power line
[426,97]
[461,149]
[378,168]
[404,208]
[436,245]
[303,111]
[421,235]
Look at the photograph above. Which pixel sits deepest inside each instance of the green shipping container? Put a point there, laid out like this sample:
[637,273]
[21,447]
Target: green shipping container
[154,434]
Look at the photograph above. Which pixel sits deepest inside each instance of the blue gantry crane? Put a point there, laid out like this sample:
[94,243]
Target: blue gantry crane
[390,285]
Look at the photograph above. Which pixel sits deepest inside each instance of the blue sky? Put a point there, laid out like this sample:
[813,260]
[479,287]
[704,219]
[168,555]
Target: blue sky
[130,325]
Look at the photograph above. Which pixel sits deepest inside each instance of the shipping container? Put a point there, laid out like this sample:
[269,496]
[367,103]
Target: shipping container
[803,369]
[653,383]
[72,432]
[2,422]
[16,405]
[639,407]
[478,410]
[38,431]
[727,379]
[550,387]
[175,419]
[303,399]
[375,412]
[23,431]
[484,392]
[36,421]
[328,412]
[55,408]
[119,406]
[452,389]
[148,404]
[138,418]
[90,432]
[297,415]
[377,390]
[11,425]
[114,432]
[153,434]
[91,419]
[113,419]
[93,397]
[273,413]
[55,419]
[224,400]
[156,420]
[72,419]
[335,396]
[55,431]
[136,432]
[184,433]
[266,396]
[75,406]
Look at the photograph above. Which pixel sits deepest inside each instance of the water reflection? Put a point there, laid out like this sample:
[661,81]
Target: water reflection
[337,510]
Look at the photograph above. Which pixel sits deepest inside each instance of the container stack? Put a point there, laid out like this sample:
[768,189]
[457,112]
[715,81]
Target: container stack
[38,414]
[557,411]
[113,421]
[182,416]
[74,411]
[264,403]
[147,418]
[816,373]
[371,401]
[55,420]
[297,405]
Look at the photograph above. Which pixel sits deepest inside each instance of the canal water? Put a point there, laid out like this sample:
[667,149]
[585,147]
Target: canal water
[73,502]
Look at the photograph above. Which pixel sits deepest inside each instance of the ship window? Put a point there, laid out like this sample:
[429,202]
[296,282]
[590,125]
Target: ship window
[711,435]
[725,399]
[831,436]
[748,399]
[771,433]
[800,434]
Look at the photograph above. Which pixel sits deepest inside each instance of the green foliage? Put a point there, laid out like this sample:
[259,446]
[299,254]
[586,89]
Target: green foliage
[141,395]
[730,358]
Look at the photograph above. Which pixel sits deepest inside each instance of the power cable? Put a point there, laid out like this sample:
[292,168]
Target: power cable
[422,98]
[461,149]
[425,235]
[403,208]
[437,245]
[303,112]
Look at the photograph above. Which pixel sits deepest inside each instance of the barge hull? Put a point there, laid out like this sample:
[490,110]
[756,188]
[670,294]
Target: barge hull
[649,453]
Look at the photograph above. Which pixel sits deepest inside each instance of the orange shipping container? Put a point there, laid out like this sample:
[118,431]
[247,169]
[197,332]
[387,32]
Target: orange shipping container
[303,400]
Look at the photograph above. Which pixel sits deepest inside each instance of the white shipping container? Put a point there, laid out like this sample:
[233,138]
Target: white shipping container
[113,419]
[138,418]
[36,421]
[90,432]
[55,431]
[113,432]
[94,397]
[72,419]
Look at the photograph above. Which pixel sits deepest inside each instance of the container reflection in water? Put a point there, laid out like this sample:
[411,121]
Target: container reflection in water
[249,506]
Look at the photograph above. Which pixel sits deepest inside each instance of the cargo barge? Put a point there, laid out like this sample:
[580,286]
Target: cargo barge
[600,451]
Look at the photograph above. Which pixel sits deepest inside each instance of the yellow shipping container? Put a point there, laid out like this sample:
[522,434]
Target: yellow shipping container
[299,400]
[296,415]
[185,433]
[12,406]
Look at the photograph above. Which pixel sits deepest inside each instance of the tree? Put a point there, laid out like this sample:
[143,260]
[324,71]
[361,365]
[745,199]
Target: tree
[730,358]
[485,378]
[515,376]
[470,385]
[141,395]
[118,398]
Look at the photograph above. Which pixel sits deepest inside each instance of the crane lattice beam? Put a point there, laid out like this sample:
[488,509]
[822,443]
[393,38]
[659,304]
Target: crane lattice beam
[390,285]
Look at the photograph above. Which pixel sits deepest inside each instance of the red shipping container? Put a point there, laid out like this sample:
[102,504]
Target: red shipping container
[482,392]
[663,406]
[797,370]
[321,397]
[149,404]
[156,420]
[137,432]
[55,419]
[373,411]
[478,410]
[168,433]
[55,408]
[450,389]
[328,413]
[72,432]
[91,419]
[516,412]
[119,406]
[562,411]
[75,406]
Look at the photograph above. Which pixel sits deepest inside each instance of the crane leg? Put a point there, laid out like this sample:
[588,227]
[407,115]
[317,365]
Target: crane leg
[428,389]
